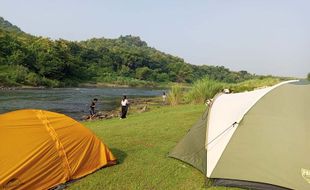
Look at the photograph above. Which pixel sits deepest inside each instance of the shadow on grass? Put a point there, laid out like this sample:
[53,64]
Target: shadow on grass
[119,154]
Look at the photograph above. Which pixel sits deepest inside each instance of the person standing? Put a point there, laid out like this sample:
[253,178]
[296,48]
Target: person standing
[164,96]
[124,104]
[92,107]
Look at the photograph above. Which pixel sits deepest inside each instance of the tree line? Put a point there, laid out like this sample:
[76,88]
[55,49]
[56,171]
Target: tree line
[39,61]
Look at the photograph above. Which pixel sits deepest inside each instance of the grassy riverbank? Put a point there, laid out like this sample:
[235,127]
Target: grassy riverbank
[141,144]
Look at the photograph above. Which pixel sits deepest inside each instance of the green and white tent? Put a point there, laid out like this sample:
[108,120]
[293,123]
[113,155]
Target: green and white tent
[258,139]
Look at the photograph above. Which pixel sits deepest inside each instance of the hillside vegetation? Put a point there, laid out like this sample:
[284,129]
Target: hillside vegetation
[39,61]
[204,89]
[6,25]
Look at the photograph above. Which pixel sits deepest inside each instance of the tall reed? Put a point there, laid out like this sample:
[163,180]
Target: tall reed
[253,84]
[203,90]
[174,96]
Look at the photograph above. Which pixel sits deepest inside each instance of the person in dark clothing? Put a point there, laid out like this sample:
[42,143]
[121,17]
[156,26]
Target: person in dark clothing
[124,104]
[92,107]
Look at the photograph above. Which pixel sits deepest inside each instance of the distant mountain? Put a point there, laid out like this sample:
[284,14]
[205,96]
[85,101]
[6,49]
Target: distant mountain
[6,25]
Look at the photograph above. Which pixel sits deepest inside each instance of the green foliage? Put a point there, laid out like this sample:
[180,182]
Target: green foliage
[132,41]
[33,79]
[308,76]
[15,75]
[175,94]
[127,59]
[19,74]
[124,81]
[124,71]
[143,73]
[204,89]
[253,84]
[6,25]
[11,75]
[162,77]
[222,74]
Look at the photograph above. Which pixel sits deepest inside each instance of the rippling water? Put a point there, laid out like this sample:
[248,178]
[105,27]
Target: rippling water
[70,101]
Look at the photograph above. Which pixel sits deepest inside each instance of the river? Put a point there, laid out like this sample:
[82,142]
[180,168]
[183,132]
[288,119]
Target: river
[73,102]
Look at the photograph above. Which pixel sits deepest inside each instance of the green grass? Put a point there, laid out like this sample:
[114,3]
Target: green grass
[141,144]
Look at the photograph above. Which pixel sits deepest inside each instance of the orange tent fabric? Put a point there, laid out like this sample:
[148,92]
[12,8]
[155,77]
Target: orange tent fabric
[41,149]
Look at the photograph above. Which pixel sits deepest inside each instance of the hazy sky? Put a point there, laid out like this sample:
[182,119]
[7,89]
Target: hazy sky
[260,36]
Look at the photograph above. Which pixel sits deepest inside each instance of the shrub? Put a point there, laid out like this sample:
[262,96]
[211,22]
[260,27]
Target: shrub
[162,77]
[175,95]
[203,90]
[19,74]
[5,81]
[253,84]
[143,73]
[308,77]
[12,75]
[125,71]
[49,82]
[33,79]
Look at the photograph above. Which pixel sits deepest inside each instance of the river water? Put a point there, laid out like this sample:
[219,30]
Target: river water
[70,101]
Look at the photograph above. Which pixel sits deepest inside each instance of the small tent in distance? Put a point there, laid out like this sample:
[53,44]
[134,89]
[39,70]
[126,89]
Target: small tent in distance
[258,139]
[41,149]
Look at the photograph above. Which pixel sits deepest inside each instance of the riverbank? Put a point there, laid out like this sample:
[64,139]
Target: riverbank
[141,144]
[21,87]
[73,102]
[98,85]
[137,105]
[120,85]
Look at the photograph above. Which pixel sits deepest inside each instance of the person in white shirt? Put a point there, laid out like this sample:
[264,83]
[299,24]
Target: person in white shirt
[164,96]
[124,104]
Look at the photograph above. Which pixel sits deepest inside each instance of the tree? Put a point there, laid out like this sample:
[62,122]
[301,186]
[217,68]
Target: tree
[162,77]
[143,73]
[125,71]
[42,61]
[308,76]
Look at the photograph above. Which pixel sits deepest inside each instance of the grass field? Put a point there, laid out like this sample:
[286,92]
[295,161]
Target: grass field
[141,144]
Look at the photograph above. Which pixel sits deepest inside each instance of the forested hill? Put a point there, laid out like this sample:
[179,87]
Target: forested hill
[39,61]
[6,25]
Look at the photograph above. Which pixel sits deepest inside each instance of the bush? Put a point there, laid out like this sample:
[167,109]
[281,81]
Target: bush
[175,95]
[33,79]
[203,90]
[253,84]
[162,77]
[19,74]
[49,82]
[5,81]
[12,75]
[143,73]
[308,77]
[125,71]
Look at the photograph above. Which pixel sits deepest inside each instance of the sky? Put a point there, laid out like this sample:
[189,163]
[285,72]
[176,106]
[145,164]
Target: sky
[259,36]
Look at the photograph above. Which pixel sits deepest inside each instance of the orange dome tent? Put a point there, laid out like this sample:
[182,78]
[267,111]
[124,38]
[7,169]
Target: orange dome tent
[41,149]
